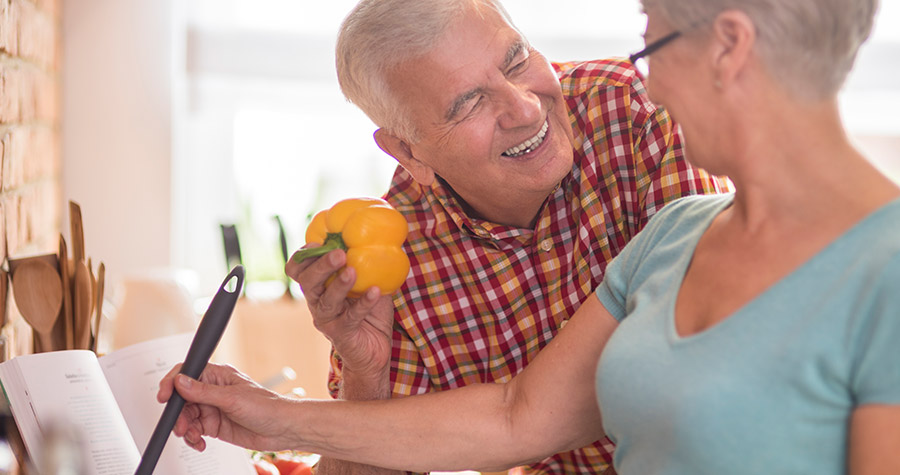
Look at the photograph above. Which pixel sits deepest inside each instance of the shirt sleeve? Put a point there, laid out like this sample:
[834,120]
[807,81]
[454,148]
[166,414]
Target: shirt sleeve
[613,290]
[633,264]
[408,375]
[334,375]
[876,379]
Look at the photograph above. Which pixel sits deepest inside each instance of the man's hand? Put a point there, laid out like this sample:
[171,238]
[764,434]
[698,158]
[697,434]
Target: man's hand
[360,329]
[227,405]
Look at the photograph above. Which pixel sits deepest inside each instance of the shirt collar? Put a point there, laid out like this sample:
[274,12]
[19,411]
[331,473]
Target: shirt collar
[444,197]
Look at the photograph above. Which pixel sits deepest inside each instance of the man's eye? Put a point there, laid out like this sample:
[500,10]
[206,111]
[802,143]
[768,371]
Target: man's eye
[521,65]
[474,104]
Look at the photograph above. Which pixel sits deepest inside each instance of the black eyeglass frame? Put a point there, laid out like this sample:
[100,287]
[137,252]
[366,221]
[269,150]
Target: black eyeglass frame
[653,47]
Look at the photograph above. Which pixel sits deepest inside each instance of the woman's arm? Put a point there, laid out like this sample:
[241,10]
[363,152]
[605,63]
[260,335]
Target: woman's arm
[550,407]
[875,440]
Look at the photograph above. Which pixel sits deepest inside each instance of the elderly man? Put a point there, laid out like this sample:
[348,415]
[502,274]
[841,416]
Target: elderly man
[520,180]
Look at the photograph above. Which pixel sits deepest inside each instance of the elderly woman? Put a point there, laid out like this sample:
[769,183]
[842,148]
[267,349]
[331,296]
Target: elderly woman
[788,364]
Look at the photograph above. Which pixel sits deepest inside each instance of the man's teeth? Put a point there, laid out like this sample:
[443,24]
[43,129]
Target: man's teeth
[529,144]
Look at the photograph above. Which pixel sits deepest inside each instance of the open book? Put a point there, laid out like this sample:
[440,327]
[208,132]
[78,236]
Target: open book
[110,402]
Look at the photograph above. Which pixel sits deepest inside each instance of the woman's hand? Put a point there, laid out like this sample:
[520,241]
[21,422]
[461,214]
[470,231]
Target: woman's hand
[228,405]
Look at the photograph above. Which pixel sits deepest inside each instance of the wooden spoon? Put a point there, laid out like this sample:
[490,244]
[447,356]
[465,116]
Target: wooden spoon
[98,307]
[77,230]
[81,281]
[38,294]
[81,308]
[90,268]
[48,258]
[4,286]
[64,273]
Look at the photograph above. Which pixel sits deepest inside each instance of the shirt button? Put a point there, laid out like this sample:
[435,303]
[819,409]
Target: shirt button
[546,245]
[562,324]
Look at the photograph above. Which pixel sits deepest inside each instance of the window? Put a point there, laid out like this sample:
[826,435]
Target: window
[266,131]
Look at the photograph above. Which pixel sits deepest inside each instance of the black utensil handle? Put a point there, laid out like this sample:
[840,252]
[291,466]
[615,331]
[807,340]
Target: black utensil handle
[232,245]
[282,238]
[204,343]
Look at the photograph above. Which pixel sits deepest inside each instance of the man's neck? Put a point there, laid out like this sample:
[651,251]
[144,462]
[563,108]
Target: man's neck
[522,213]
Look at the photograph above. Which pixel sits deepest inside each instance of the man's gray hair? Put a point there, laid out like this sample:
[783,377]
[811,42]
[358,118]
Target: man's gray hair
[810,45]
[379,35]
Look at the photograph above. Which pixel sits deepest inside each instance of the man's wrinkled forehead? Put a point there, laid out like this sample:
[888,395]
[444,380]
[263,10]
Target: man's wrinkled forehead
[515,49]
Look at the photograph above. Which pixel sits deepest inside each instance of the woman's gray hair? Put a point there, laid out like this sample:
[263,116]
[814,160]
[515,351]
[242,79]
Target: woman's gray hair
[810,45]
[379,35]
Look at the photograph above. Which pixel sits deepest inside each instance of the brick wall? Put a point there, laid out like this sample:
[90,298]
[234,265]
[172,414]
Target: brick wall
[30,190]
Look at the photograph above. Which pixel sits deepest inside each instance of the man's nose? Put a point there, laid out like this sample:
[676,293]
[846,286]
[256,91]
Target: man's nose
[521,106]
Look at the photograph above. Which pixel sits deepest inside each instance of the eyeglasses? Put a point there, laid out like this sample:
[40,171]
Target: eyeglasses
[639,59]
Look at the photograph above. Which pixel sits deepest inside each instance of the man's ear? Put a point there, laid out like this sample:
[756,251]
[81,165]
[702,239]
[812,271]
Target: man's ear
[402,152]
[735,36]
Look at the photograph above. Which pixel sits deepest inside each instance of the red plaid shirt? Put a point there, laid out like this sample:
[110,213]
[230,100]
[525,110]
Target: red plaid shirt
[483,298]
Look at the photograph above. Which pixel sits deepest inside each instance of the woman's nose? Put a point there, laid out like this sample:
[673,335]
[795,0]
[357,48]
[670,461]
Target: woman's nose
[521,106]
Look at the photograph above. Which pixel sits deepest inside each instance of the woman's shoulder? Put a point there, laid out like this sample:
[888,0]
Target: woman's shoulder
[679,223]
[887,217]
[879,234]
[688,210]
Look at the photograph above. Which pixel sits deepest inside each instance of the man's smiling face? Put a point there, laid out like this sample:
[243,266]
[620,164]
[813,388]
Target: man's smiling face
[490,117]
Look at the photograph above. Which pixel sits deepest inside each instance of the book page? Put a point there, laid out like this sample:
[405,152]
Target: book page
[133,374]
[67,390]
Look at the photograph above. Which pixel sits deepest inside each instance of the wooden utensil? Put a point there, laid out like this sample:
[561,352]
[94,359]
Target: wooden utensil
[53,261]
[90,268]
[77,230]
[98,307]
[48,258]
[81,305]
[38,294]
[65,273]
[81,281]
[4,287]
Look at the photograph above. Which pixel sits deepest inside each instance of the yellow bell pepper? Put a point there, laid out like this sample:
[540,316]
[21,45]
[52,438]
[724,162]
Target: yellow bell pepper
[372,233]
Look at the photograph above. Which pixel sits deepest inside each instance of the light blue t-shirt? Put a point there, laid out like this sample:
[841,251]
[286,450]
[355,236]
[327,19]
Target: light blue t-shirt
[771,388]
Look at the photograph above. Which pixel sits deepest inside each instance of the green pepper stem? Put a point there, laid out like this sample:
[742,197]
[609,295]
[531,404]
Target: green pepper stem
[332,241]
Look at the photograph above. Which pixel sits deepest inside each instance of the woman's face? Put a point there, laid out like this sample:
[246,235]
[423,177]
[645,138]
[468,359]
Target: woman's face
[681,80]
